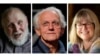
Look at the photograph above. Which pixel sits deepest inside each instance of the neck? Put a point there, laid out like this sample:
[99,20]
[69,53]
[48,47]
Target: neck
[52,45]
[87,45]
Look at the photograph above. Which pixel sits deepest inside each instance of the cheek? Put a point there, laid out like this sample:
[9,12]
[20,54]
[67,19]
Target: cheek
[91,30]
[78,31]
[58,32]
[43,31]
[23,27]
[9,31]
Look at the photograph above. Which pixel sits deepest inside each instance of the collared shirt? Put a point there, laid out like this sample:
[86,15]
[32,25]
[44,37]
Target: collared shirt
[8,47]
[40,47]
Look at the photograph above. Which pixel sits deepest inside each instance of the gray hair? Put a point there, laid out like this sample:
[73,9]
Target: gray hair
[62,18]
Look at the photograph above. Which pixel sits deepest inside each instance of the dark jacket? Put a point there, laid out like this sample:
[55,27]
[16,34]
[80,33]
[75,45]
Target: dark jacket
[40,47]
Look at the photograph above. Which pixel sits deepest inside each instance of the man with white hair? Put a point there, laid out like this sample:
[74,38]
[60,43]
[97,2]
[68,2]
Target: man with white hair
[15,25]
[49,25]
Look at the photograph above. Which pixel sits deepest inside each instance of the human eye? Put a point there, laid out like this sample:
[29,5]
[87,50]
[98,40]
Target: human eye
[45,23]
[79,24]
[89,24]
[20,22]
[10,25]
[56,23]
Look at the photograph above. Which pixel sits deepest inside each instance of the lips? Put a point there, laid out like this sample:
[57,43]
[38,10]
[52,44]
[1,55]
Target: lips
[16,36]
[51,33]
[84,32]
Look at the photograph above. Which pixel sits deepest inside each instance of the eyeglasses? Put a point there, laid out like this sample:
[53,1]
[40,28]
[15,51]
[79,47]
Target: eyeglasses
[80,25]
[55,24]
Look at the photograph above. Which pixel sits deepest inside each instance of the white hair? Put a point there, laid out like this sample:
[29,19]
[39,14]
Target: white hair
[21,40]
[61,16]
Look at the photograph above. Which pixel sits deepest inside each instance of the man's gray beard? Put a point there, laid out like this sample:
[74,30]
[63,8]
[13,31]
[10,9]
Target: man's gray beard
[21,40]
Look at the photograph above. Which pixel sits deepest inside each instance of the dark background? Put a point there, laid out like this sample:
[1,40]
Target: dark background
[26,8]
[62,7]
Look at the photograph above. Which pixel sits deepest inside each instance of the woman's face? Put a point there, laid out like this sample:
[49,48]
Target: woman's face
[85,29]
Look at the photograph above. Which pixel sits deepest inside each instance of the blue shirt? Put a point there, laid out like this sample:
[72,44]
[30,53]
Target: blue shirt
[40,47]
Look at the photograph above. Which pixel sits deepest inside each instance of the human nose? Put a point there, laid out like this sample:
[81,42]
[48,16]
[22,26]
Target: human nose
[84,26]
[16,27]
[51,27]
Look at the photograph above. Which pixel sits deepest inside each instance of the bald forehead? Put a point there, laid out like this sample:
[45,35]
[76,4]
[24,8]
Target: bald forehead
[15,14]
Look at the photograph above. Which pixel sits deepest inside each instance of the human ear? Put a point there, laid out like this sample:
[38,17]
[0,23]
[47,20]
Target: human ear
[37,32]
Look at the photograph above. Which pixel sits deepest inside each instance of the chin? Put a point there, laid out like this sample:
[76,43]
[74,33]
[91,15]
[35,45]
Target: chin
[20,40]
[52,39]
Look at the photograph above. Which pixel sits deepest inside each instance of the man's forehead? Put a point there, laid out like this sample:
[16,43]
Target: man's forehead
[48,13]
[49,16]
[16,15]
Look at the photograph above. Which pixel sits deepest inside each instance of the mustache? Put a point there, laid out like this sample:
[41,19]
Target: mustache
[15,33]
